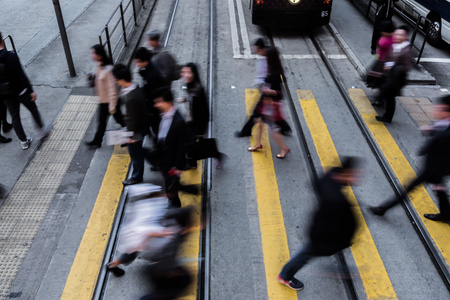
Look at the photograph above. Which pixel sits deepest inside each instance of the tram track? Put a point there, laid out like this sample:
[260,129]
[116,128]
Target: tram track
[415,221]
[204,240]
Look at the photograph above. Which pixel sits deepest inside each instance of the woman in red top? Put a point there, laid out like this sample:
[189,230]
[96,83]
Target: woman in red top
[376,76]
[269,110]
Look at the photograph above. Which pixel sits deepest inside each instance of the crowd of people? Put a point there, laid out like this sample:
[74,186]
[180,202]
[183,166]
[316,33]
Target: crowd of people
[151,111]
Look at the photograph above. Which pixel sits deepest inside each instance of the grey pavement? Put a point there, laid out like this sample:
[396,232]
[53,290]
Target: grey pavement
[355,36]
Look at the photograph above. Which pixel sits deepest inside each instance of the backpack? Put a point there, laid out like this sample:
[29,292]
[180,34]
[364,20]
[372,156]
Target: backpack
[5,84]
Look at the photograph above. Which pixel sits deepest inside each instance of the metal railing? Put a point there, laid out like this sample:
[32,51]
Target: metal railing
[423,28]
[125,17]
[421,25]
[11,41]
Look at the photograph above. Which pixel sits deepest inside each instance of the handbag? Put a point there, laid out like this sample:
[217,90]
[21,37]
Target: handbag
[201,149]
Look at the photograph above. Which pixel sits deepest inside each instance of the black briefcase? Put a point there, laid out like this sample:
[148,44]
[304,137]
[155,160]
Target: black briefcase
[201,149]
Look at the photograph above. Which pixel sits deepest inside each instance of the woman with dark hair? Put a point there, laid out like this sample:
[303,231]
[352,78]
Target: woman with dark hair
[269,109]
[106,90]
[197,109]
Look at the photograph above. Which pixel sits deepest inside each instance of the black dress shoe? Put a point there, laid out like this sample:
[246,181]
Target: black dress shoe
[93,144]
[436,217]
[381,119]
[131,181]
[4,139]
[7,127]
[240,134]
[378,103]
[377,210]
[116,271]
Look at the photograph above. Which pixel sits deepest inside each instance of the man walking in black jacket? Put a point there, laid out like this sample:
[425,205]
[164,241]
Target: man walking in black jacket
[152,80]
[437,164]
[334,223]
[136,120]
[20,91]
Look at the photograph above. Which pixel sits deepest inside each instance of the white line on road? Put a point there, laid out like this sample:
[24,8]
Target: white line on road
[293,56]
[243,26]
[234,32]
[435,60]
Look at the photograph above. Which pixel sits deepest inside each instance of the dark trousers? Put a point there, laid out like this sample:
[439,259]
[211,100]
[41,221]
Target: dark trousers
[169,285]
[13,104]
[3,109]
[297,261]
[137,155]
[444,205]
[103,115]
[388,92]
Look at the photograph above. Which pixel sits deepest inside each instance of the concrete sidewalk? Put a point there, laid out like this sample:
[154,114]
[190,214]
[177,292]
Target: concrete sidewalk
[40,49]
[354,35]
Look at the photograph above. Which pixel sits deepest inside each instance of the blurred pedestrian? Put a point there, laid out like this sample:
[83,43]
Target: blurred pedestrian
[437,164]
[334,223]
[163,59]
[169,155]
[18,90]
[398,66]
[270,110]
[107,92]
[197,110]
[259,48]
[136,120]
[152,80]
[385,11]
[376,75]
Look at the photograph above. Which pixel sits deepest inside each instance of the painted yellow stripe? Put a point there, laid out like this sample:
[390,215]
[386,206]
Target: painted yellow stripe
[370,266]
[273,233]
[420,198]
[190,249]
[83,275]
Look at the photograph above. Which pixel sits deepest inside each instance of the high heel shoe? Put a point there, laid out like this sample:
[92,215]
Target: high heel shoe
[283,156]
[253,149]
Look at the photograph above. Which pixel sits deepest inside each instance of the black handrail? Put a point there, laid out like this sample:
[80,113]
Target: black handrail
[124,17]
[423,29]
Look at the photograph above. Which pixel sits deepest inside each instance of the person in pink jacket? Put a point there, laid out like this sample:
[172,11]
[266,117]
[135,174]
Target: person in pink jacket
[106,90]
[376,75]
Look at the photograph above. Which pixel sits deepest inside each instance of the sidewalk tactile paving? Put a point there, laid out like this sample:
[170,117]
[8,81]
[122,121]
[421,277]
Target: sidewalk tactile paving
[23,211]
[420,109]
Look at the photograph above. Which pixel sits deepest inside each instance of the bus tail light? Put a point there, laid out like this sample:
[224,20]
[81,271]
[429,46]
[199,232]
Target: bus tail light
[327,2]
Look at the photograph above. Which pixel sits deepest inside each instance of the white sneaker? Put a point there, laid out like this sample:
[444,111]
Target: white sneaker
[26,144]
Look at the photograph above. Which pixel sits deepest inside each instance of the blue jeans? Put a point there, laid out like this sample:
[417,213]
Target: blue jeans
[297,261]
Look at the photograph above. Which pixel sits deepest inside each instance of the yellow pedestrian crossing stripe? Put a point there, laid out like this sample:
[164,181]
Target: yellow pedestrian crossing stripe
[189,250]
[83,275]
[370,266]
[273,233]
[420,199]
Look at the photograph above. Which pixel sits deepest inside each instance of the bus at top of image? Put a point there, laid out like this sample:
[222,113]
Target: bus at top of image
[290,13]
[437,11]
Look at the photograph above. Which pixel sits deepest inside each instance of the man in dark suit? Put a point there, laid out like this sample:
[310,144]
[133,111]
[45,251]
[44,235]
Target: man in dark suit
[437,164]
[20,91]
[152,80]
[136,120]
[169,155]
[398,66]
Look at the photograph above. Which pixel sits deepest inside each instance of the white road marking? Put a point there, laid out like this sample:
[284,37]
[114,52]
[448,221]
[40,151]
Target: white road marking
[435,60]
[293,56]
[234,32]
[244,33]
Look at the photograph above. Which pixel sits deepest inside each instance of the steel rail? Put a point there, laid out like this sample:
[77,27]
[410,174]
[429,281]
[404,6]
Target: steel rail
[417,224]
[342,264]
[205,237]
[103,278]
